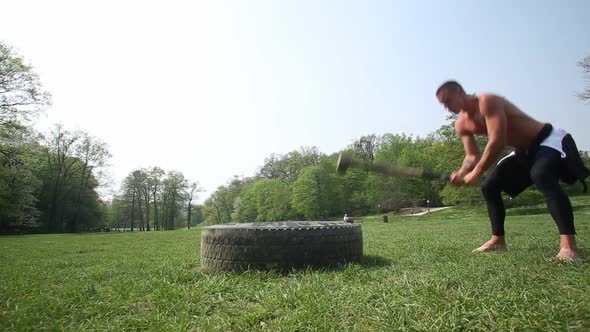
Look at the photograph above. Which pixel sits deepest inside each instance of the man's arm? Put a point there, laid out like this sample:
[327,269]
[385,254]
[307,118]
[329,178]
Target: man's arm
[492,110]
[472,154]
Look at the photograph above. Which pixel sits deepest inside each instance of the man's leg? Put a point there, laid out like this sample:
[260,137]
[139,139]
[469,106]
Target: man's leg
[508,174]
[545,175]
[492,193]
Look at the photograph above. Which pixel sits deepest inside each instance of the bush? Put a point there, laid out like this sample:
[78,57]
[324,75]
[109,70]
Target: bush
[461,195]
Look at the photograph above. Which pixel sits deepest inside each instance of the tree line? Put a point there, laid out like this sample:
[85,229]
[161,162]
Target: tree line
[49,182]
[152,199]
[304,185]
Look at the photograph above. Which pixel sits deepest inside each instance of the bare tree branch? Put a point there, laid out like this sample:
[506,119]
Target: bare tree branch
[585,64]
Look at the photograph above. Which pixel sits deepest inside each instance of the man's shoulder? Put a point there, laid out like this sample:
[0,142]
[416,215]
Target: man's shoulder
[461,126]
[489,97]
[490,102]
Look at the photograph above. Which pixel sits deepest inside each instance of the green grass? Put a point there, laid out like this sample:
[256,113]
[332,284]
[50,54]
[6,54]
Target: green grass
[417,274]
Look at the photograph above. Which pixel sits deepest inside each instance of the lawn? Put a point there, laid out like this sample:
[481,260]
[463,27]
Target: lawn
[417,274]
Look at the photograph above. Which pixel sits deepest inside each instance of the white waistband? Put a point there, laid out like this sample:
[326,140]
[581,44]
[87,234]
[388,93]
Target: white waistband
[554,140]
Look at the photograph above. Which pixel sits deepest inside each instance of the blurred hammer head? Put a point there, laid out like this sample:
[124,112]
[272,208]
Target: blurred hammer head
[344,161]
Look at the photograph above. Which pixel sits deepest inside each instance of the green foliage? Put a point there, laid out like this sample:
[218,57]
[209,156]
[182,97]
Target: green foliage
[21,95]
[67,200]
[306,194]
[173,194]
[366,147]
[262,200]
[452,195]
[272,200]
[245,205]
[45,184]
[287,167]
[18,182]
[355,191]
[530,197]
[115,216]
[197,217]
[406,151]
[219,207]
[153,199]
[316,193]
[585,158]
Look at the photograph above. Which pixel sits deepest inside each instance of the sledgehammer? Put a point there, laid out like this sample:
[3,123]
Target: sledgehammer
[345,161]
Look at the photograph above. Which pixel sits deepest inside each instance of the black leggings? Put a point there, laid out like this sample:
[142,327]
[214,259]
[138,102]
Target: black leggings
[513,175]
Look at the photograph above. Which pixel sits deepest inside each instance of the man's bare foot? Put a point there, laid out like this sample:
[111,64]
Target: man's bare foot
[496,243]
[568,255]
[569,249]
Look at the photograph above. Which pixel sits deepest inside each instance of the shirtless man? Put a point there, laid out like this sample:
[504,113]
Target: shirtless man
[537,160]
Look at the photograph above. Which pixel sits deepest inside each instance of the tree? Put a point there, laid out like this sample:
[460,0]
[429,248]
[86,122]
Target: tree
[19,183]
[585,64]
[317,191]
[67,199]
[287,167]
[306,194]
[193,189]
[173,195]
[197,214]
[116,212]
[142,189]
[366,147]
[245,204]
[21,94]
[136,199]
[154,182]
[271,200]
[145,193]
[219,208]
[391,193]
[21,97]
[94,155]
[212,210]
[139,188]
[270,169]
[59,170]
[585,157]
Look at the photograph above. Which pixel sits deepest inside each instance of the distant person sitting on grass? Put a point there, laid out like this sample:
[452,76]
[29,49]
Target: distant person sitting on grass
[542,155]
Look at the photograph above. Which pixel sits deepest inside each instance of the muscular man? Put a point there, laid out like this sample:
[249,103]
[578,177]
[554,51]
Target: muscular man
[542,156]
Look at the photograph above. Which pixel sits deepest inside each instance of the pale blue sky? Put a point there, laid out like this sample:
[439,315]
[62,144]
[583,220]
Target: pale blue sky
[211,88]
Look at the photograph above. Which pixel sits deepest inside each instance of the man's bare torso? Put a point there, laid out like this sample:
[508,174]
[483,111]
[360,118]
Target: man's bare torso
[521,129]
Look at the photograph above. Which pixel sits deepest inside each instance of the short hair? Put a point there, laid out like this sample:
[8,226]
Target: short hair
[450,85]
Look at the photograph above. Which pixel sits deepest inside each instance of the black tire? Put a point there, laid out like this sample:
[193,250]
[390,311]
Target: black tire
[279,245]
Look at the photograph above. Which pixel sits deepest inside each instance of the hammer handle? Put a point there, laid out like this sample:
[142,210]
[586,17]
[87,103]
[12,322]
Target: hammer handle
[346,161]
[390,169]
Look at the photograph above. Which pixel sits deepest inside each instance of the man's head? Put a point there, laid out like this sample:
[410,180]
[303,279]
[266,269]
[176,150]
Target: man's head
[451,95]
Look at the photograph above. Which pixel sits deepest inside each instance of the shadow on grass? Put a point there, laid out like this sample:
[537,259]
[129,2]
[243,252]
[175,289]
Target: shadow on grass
[374,262]
[367,262]
[536,210]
